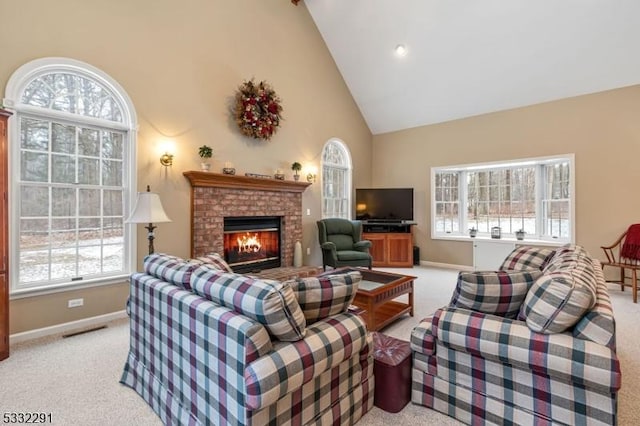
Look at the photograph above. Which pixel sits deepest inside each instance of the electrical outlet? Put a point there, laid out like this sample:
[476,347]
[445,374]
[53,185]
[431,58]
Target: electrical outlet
[74,303]
[308,251]
[308,212]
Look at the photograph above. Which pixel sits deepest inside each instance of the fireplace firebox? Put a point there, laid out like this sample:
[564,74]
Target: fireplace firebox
[252,243]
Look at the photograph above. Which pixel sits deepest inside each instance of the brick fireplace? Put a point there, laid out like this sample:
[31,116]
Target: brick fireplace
[216,196]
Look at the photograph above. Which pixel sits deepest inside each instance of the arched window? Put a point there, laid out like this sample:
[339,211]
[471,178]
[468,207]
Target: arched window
[72,157]
[336,180]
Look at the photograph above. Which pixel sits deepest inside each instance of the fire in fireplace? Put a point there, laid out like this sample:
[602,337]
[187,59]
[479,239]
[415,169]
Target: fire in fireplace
[252,243]
[249,244]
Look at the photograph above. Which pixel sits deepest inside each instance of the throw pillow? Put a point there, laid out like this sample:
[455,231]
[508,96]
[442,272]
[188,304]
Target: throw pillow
[598,324]
[321,297]
[213,259]
[559,299]
[171,269]
[565,256]
[526,257]
[499,293]
[269,302]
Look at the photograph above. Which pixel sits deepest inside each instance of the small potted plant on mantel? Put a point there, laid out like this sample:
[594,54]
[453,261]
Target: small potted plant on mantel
[205,152]
[296,167]
[473,232]
[520,234]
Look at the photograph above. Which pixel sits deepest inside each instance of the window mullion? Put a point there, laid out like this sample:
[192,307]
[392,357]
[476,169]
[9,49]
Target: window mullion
[541,190]
[50,207]
[77,231]
[68,118]
[77,203]
[463,192]
[49,229]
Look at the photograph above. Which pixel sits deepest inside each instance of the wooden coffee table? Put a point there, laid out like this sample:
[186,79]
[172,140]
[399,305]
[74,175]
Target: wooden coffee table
[376,295]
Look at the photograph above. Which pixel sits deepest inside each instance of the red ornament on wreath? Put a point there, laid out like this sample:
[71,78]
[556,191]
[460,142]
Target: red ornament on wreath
[258,111]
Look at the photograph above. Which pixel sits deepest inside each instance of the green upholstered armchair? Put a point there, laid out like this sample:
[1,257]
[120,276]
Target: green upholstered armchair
[342,244]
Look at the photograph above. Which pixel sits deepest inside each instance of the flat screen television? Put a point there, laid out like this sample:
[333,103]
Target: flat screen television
[384,204]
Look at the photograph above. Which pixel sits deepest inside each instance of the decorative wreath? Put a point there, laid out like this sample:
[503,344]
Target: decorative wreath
[258,110]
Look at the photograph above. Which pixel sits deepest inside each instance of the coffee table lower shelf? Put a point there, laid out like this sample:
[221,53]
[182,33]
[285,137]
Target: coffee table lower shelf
[384,314]
[389,312]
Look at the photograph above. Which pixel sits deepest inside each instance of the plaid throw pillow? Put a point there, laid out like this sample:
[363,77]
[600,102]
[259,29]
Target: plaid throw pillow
[271,303]
[499,293]
[214,260]
[525,257]
[565,256]
[169,268]
[598,324]
[559,299]
[321,297]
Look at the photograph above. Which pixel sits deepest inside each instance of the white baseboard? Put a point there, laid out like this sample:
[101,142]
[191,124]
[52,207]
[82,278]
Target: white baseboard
[446,265]
[66,327]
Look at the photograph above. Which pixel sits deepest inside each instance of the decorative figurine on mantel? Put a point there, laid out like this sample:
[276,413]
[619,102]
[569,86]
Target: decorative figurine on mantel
[228,169]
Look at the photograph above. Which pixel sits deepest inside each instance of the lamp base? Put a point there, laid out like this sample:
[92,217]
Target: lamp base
[150,236]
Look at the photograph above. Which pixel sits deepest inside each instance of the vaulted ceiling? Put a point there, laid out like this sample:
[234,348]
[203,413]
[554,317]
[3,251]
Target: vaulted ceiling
[470,57]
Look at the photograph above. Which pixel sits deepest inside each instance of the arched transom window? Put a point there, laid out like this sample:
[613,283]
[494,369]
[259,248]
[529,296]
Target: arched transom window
[71,150]
[336,180]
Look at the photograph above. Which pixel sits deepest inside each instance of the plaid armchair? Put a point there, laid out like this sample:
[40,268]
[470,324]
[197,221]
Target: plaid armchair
[485,368]
[210,347]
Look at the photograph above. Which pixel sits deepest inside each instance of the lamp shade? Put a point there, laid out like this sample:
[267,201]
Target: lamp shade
[148,209]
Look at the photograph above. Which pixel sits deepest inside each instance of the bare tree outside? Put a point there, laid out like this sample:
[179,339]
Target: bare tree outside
[504,198]
[534,198]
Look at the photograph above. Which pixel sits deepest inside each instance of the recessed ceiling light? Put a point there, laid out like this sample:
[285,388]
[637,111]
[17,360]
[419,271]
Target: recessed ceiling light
[401,50]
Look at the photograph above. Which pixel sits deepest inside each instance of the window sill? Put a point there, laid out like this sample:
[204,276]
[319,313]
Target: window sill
[506,240]
[59,288]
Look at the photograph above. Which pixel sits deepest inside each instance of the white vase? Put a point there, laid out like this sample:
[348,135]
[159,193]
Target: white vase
[205,167]
[297,255]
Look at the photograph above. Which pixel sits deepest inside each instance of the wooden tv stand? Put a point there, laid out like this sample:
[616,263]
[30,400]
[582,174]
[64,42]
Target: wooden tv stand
[391,244]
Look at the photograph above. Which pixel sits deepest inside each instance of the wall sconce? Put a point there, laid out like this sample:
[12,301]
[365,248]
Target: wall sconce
[166,159]
[311,174]
[167,147]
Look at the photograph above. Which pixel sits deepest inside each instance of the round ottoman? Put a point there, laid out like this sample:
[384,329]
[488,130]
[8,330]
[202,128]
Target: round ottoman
[392,371]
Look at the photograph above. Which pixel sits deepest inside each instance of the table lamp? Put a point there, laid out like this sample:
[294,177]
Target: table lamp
[148,209]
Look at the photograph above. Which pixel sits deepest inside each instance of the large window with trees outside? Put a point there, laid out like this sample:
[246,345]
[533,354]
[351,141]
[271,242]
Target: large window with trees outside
[73,167]
[532,195]
[336,180]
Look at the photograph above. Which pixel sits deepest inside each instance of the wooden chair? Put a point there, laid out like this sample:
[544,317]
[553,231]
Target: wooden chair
[614,254]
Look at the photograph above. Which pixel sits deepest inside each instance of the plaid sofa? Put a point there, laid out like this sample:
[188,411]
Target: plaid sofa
[198,362]
[486,368]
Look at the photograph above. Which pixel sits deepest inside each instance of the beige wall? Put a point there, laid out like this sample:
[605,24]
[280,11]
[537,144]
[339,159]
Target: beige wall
[603,130]
[181,62]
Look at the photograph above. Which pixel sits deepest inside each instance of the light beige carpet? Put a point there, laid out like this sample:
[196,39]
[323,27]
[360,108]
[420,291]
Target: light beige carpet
[76,379]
